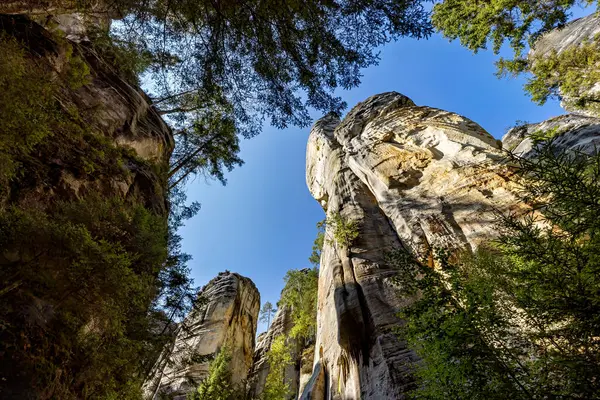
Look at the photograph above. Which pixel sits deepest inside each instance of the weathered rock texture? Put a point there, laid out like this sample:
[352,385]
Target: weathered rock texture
[108,114]
[572,132]
[413,177]
[228,318]
[575,33]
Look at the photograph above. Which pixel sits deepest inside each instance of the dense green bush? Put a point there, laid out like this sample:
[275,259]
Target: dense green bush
[91,282]
[77,287]
[29,111]
[300,295]
[279,358]
[217,385]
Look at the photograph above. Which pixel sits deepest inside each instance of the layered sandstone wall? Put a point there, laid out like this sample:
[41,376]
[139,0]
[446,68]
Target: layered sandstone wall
[411,177]
[228,317]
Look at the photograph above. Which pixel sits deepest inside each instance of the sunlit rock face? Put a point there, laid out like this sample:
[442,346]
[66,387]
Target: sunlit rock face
[575,33]
[413,177]
[572,132]
[229,318]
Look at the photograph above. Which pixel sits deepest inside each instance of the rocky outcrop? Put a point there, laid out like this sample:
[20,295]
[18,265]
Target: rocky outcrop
[296,374]
[92,138]
[227,318]
[109,106]
[575,33]
[571,132]
[411,177]
[281,325]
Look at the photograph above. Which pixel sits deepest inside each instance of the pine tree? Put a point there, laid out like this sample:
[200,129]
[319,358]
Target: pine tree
[267,312]
[217,385]
[520,318]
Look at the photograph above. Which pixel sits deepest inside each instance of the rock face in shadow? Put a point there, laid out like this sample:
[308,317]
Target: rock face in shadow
[298,373]
[110,106]
[412,177]
[228,318]
[281,325]
[574,34]
[104,141]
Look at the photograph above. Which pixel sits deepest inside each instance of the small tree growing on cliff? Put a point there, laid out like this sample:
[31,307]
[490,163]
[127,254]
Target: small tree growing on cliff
[217,385]
[345,231]
[317,248]
[300,295]
[267,312]
[279,357]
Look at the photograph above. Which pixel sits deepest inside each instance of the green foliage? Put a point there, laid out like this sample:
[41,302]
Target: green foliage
[345,232]
[41,128]
[129,58]
[209,146]
[518,319]
[29,112]
[90,288]
[76,291]
[279,358]
[520,22]
[570,74]
[78,72]
[451,326]
[89,296]
[217,386]
[267,312]
[239,64]
[541,136]
[300,294]
[315,256]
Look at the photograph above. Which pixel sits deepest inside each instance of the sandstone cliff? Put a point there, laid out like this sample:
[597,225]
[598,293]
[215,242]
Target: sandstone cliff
[413,177]
[227,318]
[108,106]
[83,173]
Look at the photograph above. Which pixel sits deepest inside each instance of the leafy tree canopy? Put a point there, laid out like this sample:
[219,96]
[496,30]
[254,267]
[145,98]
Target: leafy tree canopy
[220,68]
[279,358]
[267,312]
[315,256]
[300,294]
[520,22]
[217,385]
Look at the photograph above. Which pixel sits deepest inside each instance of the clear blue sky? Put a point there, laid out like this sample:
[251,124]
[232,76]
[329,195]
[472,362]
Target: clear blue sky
[263,222]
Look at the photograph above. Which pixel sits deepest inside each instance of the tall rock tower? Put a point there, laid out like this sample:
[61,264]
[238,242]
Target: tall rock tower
[411,177]
[227,318]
